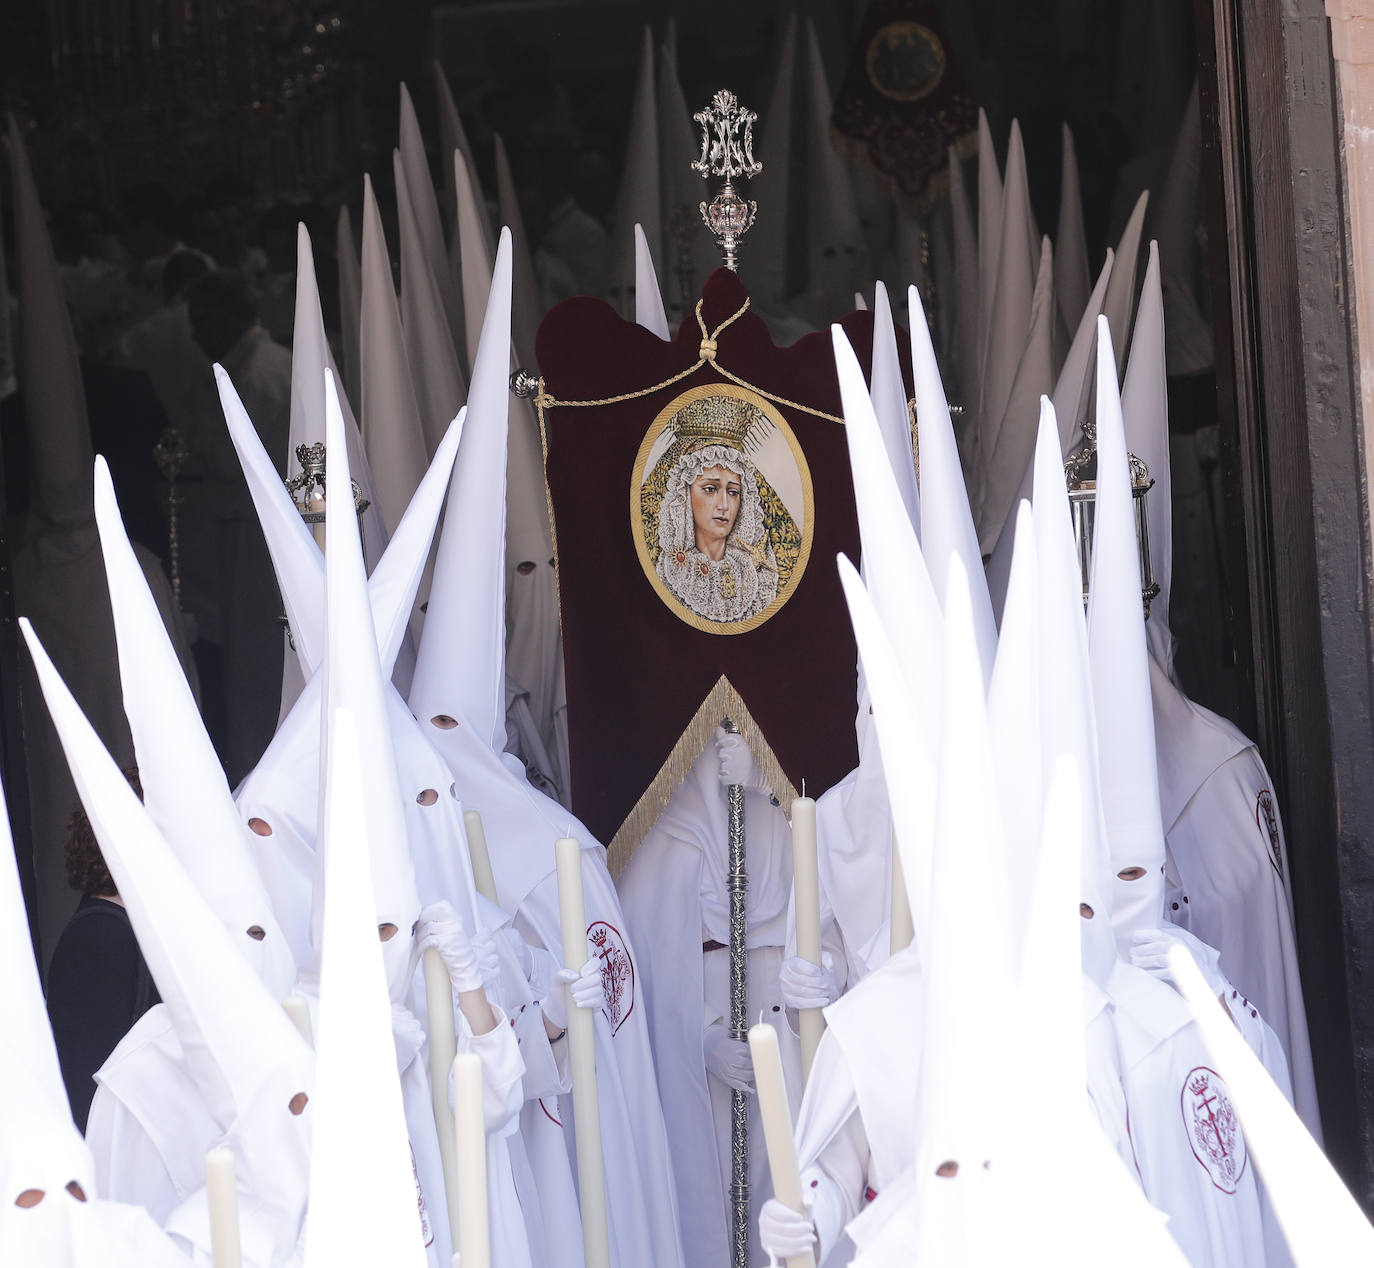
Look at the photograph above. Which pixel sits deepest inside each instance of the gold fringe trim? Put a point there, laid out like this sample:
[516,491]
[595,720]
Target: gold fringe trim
[723,701]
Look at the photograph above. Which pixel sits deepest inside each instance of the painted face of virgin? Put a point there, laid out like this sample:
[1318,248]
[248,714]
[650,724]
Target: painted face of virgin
[715,507]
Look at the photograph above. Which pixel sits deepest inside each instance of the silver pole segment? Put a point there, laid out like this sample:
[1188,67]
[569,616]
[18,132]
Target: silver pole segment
[738,885]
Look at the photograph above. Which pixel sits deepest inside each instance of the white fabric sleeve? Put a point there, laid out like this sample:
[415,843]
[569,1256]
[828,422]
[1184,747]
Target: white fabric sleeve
[502,1068]
[835,1183]
[547,1069]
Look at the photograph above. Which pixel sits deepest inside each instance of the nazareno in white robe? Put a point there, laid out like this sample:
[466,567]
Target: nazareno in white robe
[1228,868]
[854,1131]
[1188,1144]
[675,898]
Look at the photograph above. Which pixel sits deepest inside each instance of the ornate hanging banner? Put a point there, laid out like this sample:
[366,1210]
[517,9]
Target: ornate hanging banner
[903,102]
[700,492]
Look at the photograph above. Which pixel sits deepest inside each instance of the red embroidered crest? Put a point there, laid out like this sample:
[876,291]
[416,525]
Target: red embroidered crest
[425,1231]
[1267,820]
[1213,1129]
[617,971]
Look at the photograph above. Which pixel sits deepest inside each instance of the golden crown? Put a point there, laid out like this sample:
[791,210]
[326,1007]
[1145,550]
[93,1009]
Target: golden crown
[723,419]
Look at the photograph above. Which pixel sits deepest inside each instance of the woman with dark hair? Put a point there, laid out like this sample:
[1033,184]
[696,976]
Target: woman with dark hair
[98,984]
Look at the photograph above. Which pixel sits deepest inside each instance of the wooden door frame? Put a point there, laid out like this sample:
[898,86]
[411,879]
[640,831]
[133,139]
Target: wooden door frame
[1296,499]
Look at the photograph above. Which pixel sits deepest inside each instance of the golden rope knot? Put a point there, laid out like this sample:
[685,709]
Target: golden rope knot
[707,351]
[543,401]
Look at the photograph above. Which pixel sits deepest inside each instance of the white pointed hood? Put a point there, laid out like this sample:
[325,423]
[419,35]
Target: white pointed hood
[296,558]
[888,394]
[474,255]
[1012,292]
[648,299]
[247,1060]
[1187,331]
[40,1147]
[1119,301]
[989,235]
[1014,720]
[426,209]
[362,1195]
[893,566]
[904,742]
[946,521]
[59,438]
[279,799]
[1073,388]
[393,435]
[959,1109]
[967,322]
[836,251]
[526,309]
[904,600]
[764,263]
[434,368]
[1121,676]
[1145,411]
[350,301]
[681,189]
[638,200]
[184,789]
[354,680]
[1071,276]
[310,357]
[452,137]
[1006,465]
[460,668]
[1068,728]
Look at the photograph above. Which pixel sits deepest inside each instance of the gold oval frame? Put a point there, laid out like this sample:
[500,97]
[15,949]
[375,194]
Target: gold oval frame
[670,600]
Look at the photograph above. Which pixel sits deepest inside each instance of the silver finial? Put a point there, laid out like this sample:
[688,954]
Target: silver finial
[727,150]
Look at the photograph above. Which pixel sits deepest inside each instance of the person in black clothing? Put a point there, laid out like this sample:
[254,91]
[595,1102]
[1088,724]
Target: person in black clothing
[98,984]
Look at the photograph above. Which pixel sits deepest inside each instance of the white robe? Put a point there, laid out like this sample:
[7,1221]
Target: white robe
[674,893]
[855,1134]
[521,826]
[854,856]
[1229,868]
[1189,1148]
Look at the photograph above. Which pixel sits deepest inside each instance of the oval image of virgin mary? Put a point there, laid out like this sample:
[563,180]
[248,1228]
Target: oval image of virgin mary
[721,507]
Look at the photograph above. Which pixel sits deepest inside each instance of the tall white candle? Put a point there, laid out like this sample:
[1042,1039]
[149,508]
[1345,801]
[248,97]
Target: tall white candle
[443,1043]
[481,857]
[591,1177]
[900,929]
[473,1234]
[777,1126]
[222,1195]
[807,882]
[298,1009]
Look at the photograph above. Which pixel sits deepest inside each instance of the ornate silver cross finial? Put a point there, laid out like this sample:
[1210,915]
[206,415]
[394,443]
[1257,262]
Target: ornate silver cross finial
[727,149]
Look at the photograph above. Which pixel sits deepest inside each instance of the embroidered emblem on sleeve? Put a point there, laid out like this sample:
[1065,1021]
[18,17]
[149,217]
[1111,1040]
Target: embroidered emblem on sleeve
[1267,820]
[1213,1129]
[617,972]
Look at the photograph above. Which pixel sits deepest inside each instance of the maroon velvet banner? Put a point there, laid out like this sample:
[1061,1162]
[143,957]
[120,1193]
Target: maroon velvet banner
[642,648]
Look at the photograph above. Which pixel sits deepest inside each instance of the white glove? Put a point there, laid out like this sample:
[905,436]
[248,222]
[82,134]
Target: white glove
[1150,951]
[783,1232]
[807,985]
[737,762]
[441,927]
[585,987]
[728,1059]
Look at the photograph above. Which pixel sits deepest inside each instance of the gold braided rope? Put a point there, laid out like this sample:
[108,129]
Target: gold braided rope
[706,355]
